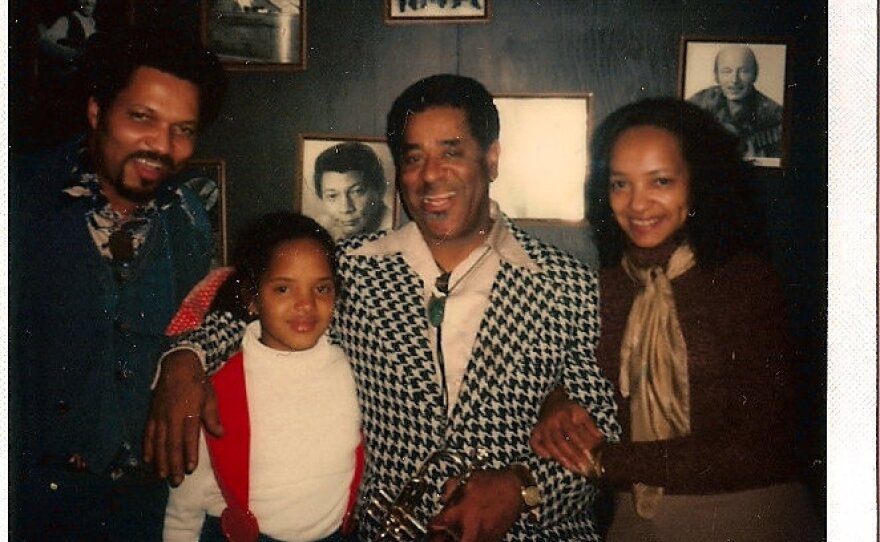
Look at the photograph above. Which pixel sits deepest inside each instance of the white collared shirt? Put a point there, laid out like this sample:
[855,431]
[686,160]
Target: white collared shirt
[469,293]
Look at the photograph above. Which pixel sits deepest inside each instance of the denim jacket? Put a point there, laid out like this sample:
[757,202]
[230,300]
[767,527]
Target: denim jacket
[90,331]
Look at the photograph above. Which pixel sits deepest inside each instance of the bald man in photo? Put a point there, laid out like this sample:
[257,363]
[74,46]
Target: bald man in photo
[739,106]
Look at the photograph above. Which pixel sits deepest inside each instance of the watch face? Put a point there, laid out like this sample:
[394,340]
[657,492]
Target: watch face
[531,496]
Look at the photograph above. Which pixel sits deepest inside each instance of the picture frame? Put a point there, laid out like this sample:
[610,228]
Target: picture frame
[48,70]
[207,178]
[756,104]
[437,11]
[62,30]
[545,139]
[343,203]
[255,35]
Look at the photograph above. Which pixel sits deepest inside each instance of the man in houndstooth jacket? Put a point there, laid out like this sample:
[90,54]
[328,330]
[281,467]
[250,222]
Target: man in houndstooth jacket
[458,325]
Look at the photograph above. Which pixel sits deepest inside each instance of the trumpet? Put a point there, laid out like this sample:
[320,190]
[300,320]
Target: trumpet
[396,516]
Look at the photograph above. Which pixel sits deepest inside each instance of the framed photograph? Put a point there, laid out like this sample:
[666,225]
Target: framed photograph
[544,150]
[55,37]
[207,178]
[64,29]
[256,34]
[744,83]
[437,11]
[346,183]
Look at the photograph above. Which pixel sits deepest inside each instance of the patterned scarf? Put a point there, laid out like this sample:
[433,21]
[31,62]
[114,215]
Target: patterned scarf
[103,222]
[653,363]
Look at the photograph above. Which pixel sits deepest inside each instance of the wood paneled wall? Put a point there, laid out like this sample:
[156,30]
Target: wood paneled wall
[618,50]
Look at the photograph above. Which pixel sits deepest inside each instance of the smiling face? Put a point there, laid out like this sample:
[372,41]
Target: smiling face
[145,135]
[649,185]
[296,296]
[736,71]
[346,198]
[444,178]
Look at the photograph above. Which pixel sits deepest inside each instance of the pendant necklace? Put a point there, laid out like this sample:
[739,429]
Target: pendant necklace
[441,290]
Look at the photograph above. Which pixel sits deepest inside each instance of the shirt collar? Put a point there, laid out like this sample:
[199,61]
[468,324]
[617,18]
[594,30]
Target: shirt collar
[87,185]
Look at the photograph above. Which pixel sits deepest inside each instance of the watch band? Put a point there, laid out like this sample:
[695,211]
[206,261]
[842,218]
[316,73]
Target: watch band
[530,493]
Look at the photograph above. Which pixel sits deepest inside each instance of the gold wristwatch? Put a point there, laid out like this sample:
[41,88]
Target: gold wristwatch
[529,490]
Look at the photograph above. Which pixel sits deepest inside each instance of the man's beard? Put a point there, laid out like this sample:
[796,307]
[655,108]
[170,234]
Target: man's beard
[140,197]
[140,194]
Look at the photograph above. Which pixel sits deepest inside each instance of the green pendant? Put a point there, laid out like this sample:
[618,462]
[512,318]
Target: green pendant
[436,307]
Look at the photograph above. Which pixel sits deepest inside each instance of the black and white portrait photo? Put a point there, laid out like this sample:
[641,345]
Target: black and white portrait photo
[742,83]
[347,185]
[50,63]
[63,39]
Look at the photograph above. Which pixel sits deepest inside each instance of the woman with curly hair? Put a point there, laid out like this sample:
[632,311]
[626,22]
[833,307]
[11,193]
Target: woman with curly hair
[695,335]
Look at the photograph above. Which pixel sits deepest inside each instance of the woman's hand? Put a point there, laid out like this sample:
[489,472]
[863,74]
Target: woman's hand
[566,433]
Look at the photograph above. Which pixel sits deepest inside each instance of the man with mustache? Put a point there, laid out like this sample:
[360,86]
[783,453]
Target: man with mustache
[739,106]
[108,247]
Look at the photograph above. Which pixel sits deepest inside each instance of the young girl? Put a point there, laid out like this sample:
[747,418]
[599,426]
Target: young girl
[286,466]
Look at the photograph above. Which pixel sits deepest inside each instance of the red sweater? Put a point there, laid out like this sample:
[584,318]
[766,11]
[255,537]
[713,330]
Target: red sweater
[739,363]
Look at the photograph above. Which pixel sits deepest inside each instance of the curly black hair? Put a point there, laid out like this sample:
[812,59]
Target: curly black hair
[725,219]
[254,248]
[444,90]
[112,57]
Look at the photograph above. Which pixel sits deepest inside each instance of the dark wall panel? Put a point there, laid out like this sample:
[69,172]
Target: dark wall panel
[596,47]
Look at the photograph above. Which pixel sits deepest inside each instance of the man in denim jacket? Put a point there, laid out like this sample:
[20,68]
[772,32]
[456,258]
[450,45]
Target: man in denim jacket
[106,247]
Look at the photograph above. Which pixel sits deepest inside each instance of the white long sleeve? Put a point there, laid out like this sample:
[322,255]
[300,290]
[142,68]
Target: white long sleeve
[187,503]
[305,427]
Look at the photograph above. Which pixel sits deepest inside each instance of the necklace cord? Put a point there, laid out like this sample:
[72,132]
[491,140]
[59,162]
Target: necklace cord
[436,313]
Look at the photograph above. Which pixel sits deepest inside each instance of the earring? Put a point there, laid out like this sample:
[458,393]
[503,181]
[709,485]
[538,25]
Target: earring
[691,213]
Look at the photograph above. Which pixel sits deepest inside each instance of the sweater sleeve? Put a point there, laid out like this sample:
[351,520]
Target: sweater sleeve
[186,508]
[215,341]
[749,445]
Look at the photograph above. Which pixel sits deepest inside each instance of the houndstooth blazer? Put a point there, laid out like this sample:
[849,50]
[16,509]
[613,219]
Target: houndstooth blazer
[539,331]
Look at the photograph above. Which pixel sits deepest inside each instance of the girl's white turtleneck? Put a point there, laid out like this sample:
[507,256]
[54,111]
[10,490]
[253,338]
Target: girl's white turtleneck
[305,426]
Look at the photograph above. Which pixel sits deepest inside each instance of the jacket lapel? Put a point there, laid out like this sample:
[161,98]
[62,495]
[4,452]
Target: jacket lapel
[402,324]
[511,316]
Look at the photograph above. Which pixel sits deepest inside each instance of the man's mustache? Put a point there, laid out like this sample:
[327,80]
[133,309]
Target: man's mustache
[164,159]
